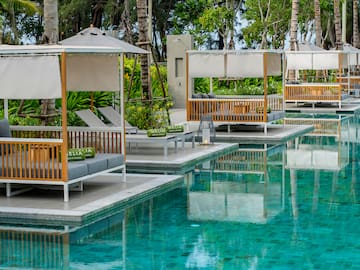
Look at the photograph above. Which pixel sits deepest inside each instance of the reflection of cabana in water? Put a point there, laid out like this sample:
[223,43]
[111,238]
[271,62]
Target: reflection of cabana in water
[316,60]
[253,198]
[56,247]
[234,65]
[328,125]
[317,153]
[35,155]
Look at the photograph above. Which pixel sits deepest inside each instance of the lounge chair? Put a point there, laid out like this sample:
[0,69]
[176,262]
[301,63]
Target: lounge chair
[115,118]
[92,120]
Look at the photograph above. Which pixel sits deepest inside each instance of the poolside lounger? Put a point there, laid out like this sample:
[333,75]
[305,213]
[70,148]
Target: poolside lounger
[142,138]
[92,120]
[115,118]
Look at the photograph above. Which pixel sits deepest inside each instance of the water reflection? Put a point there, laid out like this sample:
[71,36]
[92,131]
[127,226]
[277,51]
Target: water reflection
[242,186]
[250,209]
[326,148]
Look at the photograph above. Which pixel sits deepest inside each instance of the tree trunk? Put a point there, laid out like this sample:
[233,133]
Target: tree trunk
[356,23]
[51,36]
[144,44]
[51,21]
[318,32]
[294,24]
[293,32]
[337,23]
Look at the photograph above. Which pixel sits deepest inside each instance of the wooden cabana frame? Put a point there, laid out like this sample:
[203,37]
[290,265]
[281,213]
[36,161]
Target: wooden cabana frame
[350,77]
[234,65]
[314,92]
[33,155]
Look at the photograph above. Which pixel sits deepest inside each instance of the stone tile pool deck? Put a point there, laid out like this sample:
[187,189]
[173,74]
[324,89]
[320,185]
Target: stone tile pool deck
[103,194]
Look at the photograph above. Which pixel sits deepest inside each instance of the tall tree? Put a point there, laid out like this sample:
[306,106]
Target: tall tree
[144,43]
[294,24]
[318,30]
[51,36]
[356,23]
[337,23]
[51,21]
[268,26]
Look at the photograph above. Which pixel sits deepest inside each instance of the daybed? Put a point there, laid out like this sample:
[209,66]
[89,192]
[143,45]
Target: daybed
[320,61]
[258,110]
[38,155]
[31,161]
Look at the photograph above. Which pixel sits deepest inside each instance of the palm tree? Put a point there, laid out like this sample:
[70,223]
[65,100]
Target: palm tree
[51,22]
[144,43]
[337,23]
[294,24]
[10,9]
[293,31]
[50,36]
[318,34]
[356,23]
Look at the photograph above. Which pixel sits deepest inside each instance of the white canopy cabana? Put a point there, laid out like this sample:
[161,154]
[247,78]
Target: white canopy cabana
[49,71]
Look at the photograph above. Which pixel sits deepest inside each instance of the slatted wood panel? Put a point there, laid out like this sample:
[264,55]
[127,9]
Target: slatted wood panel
[104,141]
[344,81]
[313,92]
[30,160]
[34,250]
[232,110]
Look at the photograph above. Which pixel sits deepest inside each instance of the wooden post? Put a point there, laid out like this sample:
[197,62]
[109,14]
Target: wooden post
[64,147]
[265,85]
[187,86]
[122,104]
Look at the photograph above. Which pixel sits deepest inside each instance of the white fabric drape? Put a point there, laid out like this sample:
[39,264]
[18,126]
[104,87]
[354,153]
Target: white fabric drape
[206,65]
[92,72]
[312,60]
[325,61]
[299,61]
[30,77]
[244,65]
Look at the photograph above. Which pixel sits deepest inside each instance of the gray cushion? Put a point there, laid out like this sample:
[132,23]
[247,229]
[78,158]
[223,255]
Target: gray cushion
[4,128]
[77,169]
[114,160]
[96,164]
[4,132]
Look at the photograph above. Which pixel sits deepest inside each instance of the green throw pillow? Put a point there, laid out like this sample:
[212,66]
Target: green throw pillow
[75,154]
[156,132]
[89,152]
[174,129]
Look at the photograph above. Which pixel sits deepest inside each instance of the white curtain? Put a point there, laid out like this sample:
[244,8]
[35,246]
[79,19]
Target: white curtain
[323,61]
[30,77]
[274,64]
[202,65]
[299,61]
[92,72]
[245,65]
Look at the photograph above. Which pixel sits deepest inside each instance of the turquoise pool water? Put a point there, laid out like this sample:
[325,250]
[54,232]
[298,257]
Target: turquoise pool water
[293,206]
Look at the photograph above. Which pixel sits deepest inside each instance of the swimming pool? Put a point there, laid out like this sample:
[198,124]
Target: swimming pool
[293,206]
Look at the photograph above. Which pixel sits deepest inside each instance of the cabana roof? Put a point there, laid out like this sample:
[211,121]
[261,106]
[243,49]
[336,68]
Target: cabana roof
[95,37]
